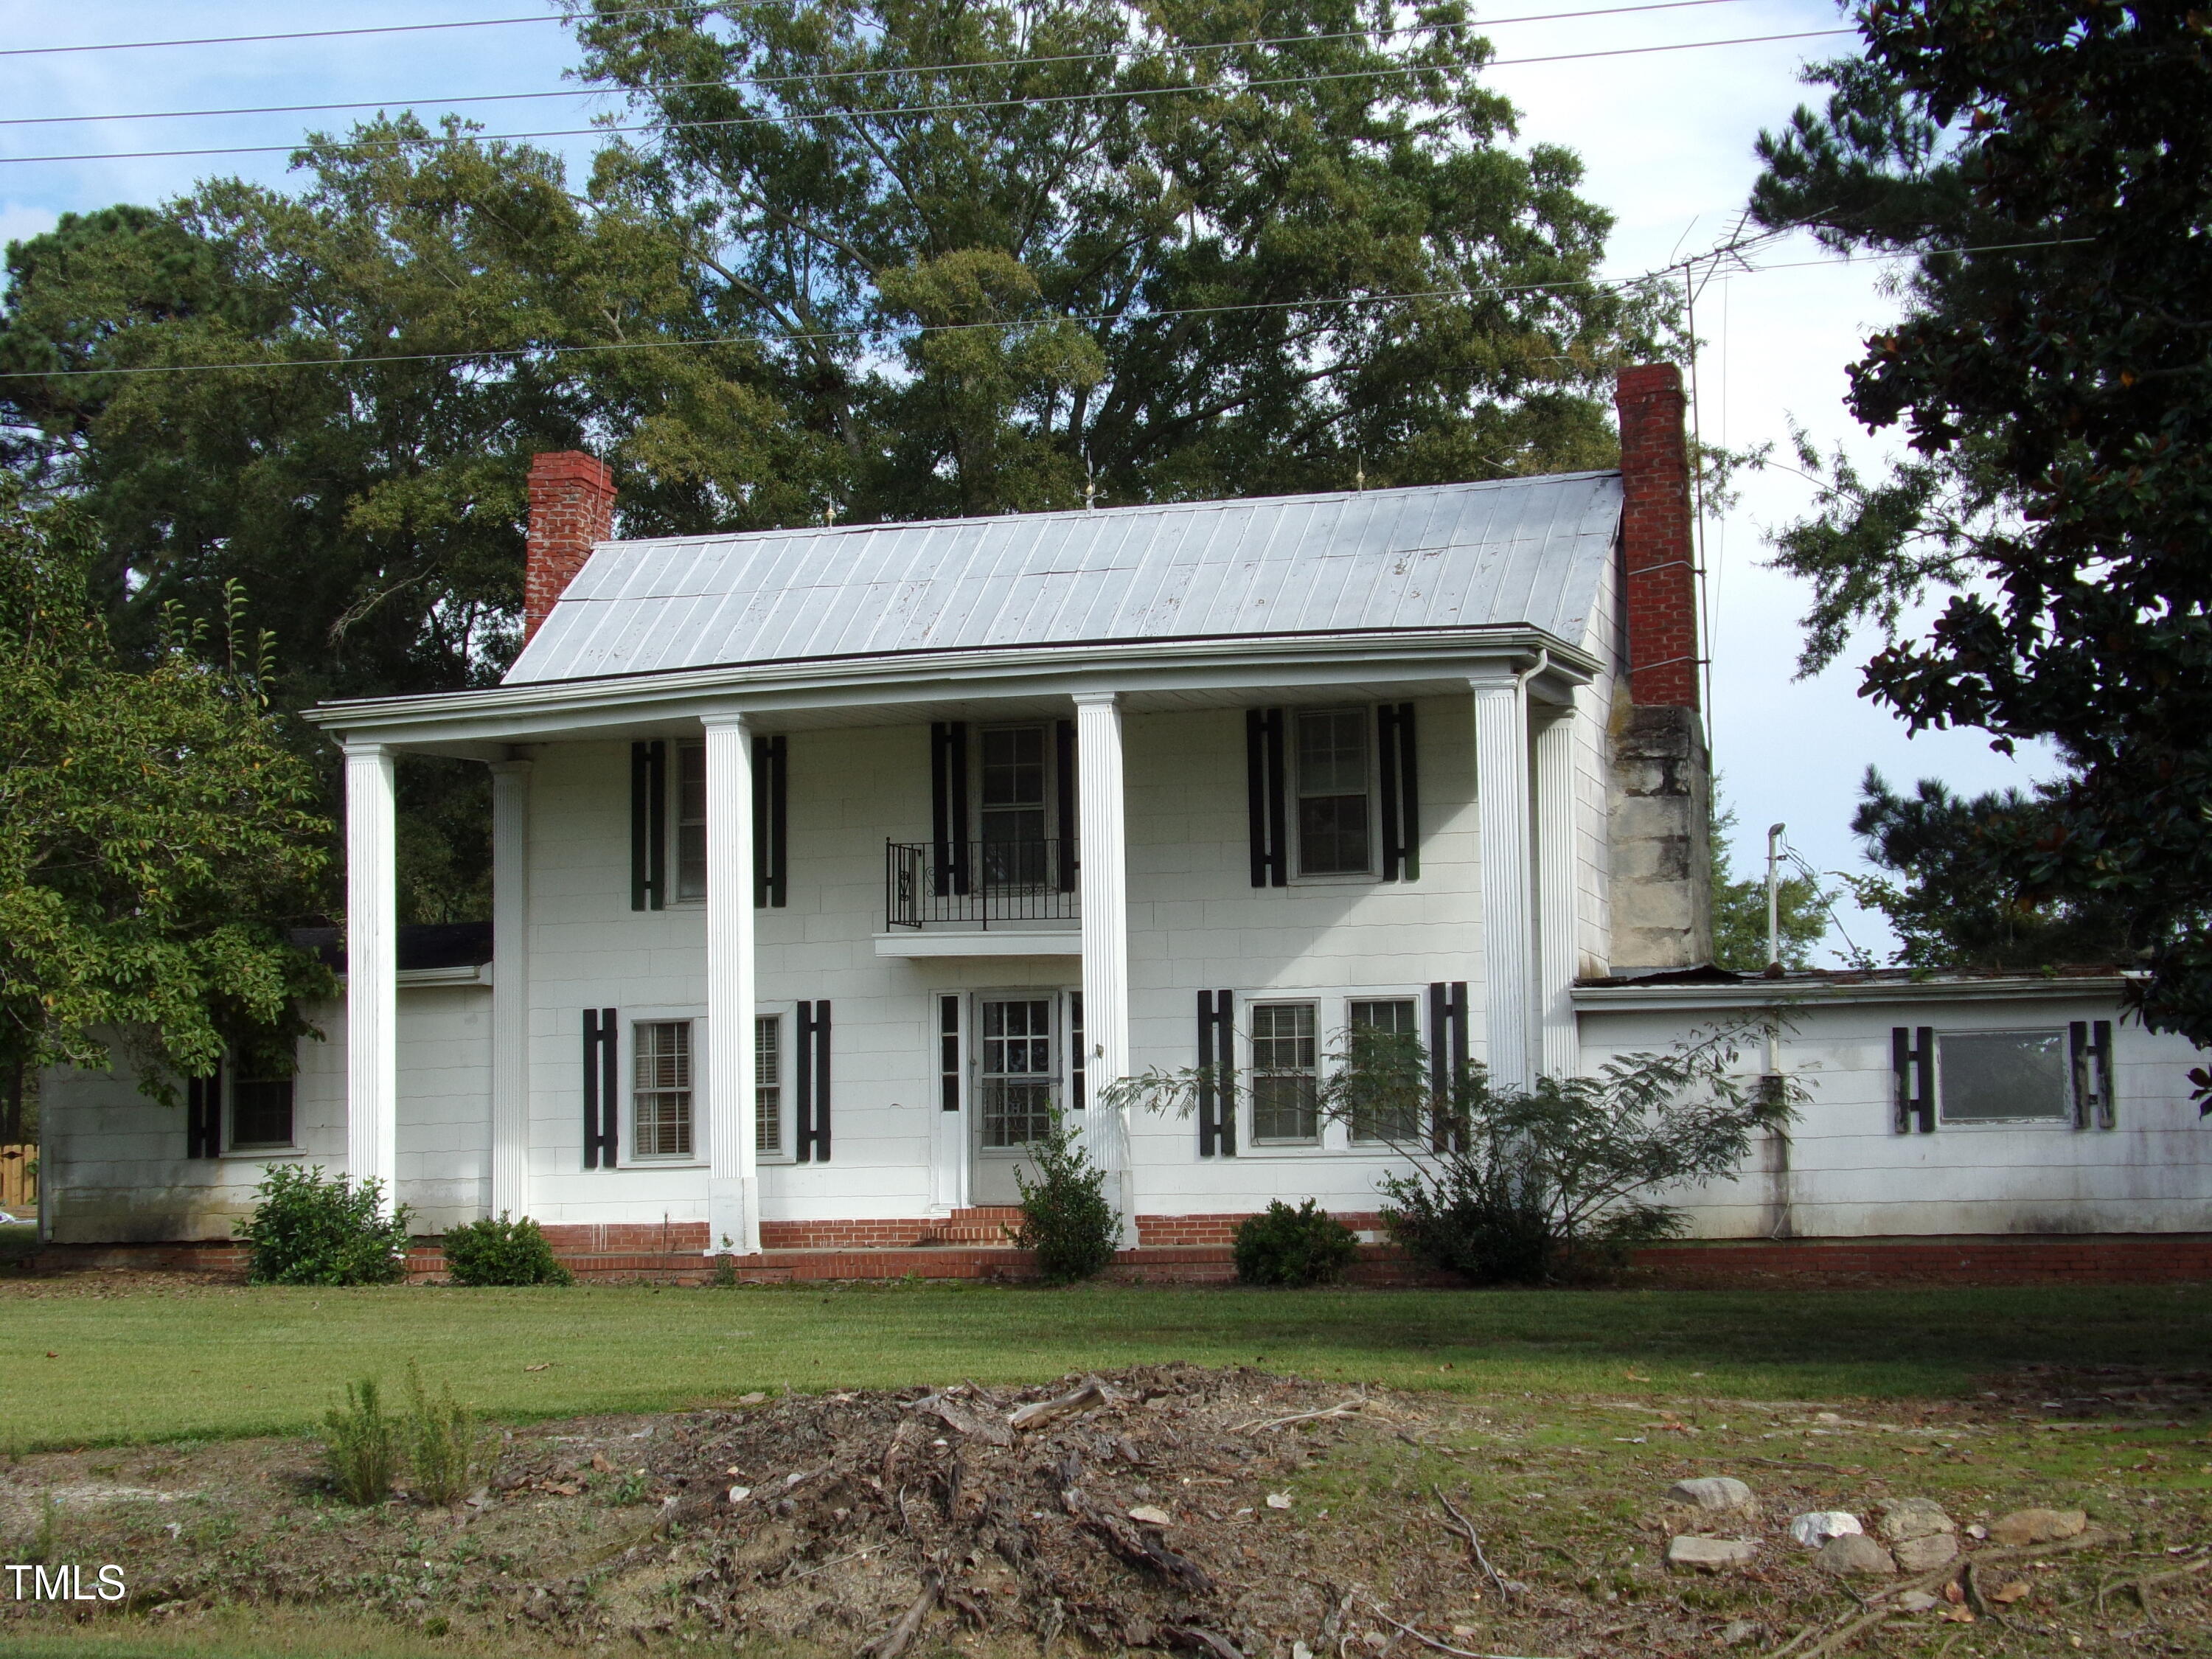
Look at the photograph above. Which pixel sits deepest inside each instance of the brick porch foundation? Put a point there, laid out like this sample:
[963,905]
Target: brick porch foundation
[1195,1251]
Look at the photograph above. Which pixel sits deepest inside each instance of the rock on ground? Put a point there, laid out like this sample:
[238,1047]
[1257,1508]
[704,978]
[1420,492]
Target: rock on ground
[1914,1517]
[2038,1526]
[1926,1553]
[1816,1527]
[1854,1552]
[1711,1491]
[1704,1555]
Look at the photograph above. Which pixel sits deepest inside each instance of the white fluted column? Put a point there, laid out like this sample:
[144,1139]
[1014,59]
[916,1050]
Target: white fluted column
[372,967]
[734,1174]
[1555,889]
[510,988]
[1508,957]
[1103,889]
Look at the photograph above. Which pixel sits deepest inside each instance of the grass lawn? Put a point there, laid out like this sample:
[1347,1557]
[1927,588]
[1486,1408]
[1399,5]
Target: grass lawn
[82,1367]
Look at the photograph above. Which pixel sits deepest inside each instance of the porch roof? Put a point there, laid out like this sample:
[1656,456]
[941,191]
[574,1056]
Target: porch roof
[1519,552]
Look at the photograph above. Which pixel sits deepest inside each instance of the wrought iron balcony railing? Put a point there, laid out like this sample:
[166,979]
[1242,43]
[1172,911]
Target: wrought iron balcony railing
[978,884]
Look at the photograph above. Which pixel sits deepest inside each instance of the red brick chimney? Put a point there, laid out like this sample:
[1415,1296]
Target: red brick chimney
[572,506]
[1662,594]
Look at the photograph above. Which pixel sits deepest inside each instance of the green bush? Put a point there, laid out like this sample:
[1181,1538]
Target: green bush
[309,1231]
[1284,1246]
[361,1446]
[447,1455]
[1066,1216]
[502,1252]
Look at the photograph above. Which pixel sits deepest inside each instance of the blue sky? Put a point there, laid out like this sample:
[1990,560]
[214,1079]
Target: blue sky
[1667,137]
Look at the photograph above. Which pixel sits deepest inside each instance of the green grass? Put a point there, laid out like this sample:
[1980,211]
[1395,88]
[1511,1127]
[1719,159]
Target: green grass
[88,1369]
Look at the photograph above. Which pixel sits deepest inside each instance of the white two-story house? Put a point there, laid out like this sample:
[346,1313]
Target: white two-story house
[832,863]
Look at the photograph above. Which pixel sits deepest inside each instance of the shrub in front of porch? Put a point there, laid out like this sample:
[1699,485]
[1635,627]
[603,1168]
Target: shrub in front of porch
[309,1231]
[1284,1246]
[503,1251]
[1066,1216]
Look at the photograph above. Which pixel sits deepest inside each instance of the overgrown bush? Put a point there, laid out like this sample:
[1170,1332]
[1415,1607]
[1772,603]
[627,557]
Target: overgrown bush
[447,1455]
[1500,1186]
[1067,1217]
[502,1252]
[361,1446]
[1512,1187]
[1284,1246]
[309,1231]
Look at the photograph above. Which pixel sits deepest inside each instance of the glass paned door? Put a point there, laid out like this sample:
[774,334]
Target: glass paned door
[1017,1070]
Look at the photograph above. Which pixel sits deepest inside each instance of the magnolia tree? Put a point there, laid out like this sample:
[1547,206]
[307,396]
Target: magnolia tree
[1499,1184]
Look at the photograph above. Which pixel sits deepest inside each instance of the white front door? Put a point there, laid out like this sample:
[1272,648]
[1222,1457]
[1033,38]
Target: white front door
[1018,1051]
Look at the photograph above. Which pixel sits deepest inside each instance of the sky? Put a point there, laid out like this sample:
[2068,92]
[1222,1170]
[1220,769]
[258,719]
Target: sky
[1666,136]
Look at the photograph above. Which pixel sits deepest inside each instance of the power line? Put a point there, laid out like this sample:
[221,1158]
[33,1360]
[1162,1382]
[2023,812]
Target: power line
[311,34]
[813,76]
[967,106]
[812,337]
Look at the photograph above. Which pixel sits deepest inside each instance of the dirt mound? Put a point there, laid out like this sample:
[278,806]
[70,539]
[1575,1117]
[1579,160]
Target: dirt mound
[1138,1509]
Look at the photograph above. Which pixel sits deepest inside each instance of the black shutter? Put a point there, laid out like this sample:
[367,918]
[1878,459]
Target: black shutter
[1264,785]
[2090,1048]
[771,813]
[1448,1051]
[1063,743]
[602,1089]
[948,1054]
[812,1142]
[1912,1068]
[203,1115]
[648,825]
[1402,791]
[948,805]
[1216,1075]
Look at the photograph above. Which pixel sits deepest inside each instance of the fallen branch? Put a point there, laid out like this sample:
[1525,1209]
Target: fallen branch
[1465,1530]
[1038,1413]
[1432,1642]
[1343,1408]
[1138,1549]
[894,1641]
[1201,1641]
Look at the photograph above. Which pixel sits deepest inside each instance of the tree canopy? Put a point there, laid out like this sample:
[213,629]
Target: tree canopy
[2047,164]
[878,261]
[156,833]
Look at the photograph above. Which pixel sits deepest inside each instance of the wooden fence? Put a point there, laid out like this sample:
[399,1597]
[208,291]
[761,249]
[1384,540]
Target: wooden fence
[19,1180]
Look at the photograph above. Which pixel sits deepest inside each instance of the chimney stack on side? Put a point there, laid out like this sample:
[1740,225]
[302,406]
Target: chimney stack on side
[572,509]
[1662,793]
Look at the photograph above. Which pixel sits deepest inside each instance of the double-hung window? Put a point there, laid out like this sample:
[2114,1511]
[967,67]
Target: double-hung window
[1335,796]
[1393,1121]
[1013,788]
[768,1085]
[1285,1082]
[661,1090]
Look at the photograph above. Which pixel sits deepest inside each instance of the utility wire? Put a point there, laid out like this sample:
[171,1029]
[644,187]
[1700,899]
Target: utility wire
[956,107]
[816,335]
[817,76]
[317,34]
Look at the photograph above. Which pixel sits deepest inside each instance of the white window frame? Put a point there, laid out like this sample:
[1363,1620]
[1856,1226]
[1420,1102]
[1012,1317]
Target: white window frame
[694,1015]
[227,1119]
[1055,830]
[677,898]
[1247,1084]
[785,1015]
[2063,1119]
[1374,792]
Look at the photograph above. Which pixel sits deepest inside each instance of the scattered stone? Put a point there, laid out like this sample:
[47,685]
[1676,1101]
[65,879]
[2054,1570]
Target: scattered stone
[739,1494]
[1278,1500]
[1917,1601]
[1737,1631]
[1704,1555]
[1925,1553]
[1854,1552]
[1914,1517]
[2017,1590]
[1816,1527]
[1711,1491]
[1978,1532]
[2038,1526]
[1151,1515]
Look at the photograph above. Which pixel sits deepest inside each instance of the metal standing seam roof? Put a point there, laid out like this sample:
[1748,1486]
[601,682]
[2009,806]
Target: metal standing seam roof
[1518,551]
